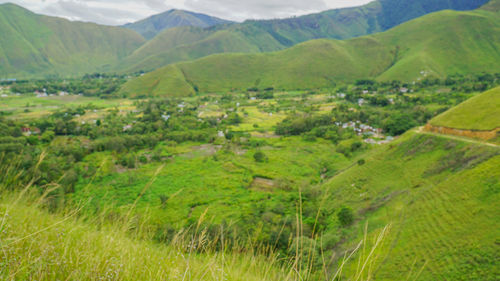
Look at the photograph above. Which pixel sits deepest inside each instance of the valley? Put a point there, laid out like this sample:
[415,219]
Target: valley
[353,144]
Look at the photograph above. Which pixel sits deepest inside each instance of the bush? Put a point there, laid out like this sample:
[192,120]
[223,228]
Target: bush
[345,216]
[260,157]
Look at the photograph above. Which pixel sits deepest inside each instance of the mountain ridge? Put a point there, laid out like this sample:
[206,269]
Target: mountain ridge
[254,36]
[41,46]
[430,44]
[151,26]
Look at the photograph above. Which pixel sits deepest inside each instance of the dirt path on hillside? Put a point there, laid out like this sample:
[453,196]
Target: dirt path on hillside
[421,130]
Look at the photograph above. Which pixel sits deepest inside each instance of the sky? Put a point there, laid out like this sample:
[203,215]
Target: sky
[117,12]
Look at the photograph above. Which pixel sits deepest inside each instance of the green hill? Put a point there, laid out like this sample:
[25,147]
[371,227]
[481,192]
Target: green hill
[440,197]
[187,43]
[431,44]
[35,45]
[481,112]
[274,35]
[153,25]
[39,46]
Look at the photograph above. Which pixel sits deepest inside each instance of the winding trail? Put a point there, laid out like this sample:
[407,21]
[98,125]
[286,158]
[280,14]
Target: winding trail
[421,130]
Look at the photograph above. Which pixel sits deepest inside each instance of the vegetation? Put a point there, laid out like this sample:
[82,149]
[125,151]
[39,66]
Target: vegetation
[32,45]
[310,163]
[273,35]
[43,46]
[397,54]
[249,174]
[478,113]
[153,25]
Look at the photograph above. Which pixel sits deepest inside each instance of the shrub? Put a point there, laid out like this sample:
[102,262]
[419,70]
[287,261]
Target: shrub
[259,156]
[345,216]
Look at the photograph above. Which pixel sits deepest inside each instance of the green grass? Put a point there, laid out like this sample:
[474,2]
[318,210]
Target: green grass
[273,35]
[38,246]
[34,45]
[481,112]
[196,180]
[27,107]
[39,46]
[439,195]
[431,44]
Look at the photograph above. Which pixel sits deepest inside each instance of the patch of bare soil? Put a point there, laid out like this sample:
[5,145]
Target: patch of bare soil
[263,184]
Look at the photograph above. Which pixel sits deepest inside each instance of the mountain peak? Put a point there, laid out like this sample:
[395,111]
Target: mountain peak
[153,25]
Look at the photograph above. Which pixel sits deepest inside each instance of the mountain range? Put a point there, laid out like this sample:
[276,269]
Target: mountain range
[40,46]
[436,45]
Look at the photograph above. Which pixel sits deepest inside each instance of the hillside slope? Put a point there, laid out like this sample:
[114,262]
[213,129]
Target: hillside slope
[442,208]
[38,45]
[431,44]
[40,246]
[153,25]
[481,112]
[273,35]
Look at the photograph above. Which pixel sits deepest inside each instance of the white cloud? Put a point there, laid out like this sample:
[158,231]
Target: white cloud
[115,12]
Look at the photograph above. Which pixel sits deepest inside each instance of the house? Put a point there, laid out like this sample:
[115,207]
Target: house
[30,131]
[41,95]
[127,127]
[403,90]
[370,141]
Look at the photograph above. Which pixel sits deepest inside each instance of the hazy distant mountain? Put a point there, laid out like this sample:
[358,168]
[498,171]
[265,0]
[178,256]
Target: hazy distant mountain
[153,25]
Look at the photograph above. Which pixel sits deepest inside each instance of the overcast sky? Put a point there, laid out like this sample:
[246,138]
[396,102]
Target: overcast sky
[115,12]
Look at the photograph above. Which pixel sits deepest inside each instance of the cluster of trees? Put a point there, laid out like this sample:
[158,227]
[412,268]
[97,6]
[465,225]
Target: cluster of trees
[96,85]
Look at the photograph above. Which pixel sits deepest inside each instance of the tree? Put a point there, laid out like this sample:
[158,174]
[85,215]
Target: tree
[47,136]
[399,123]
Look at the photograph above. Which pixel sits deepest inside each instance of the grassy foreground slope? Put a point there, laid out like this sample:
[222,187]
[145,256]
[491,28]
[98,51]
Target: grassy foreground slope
[32,44]
[39,246]
[481,112]
[432,44]
[441,198]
